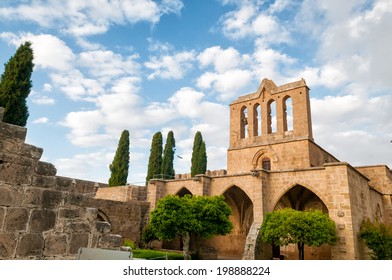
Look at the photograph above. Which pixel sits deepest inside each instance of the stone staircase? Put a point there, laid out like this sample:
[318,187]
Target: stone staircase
[251,242]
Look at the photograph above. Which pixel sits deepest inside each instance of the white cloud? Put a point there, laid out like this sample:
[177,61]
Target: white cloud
[170,66]
[49,51]
[43,100]
[83,18]
[40,120]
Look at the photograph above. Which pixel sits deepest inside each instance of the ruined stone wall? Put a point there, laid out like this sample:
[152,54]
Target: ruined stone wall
[44,216]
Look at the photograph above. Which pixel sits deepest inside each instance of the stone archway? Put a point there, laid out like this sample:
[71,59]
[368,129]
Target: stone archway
[184,191]
[302,199]
[242,219]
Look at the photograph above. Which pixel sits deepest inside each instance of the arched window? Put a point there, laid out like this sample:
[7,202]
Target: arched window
[266,164]
[257,120]
[271,120]
[287,114]
[244,122]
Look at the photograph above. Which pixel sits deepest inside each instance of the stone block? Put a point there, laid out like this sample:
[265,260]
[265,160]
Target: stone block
[13,131]
[44,181]
[16,174]
[51,199]
[2,215]
[55,245]
[63,183]
[30,245]
[7,196]
[102,227]
[90,214]
[69,213]
[42,220]
[77,227]
[7,245]
[31,151]
[46,169]
[110,241]
[32,197]
[78,240]
[75,199]
[16,219]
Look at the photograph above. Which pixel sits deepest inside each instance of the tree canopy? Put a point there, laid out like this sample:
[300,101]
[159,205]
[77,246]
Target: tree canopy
[204,216]
[155,160]
[378,238]
[120,165]
[312,228]
[168,157]
[15,85]
[199,156]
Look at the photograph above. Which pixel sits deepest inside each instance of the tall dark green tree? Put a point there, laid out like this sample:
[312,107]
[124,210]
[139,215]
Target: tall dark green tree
[155,160]
[15,85]
[120,165]
[168,156]
[199,156]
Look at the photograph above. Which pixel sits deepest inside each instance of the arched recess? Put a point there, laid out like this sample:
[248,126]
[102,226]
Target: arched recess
[257,161]
[257,120]
[244,122]
[271,116]
[184,191]
[101,216]
[242,219]
[303,199]
[287,113]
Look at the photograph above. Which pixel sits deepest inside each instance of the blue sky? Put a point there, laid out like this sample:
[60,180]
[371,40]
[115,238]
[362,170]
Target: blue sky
[146,66]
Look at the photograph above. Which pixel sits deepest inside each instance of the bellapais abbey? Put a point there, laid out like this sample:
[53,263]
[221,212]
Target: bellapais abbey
[273,163]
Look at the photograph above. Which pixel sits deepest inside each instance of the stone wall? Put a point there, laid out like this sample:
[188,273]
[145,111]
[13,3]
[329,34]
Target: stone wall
[44,216]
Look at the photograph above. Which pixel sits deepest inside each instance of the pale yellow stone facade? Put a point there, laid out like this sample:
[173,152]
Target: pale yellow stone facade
[272,163]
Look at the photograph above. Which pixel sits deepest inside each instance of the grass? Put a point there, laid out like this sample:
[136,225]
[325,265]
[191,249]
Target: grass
[153,254]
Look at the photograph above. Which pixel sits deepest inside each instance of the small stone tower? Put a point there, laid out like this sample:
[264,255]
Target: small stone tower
[262,121]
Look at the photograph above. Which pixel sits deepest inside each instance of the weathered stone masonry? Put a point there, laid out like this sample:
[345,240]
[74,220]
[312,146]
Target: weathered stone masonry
[44,216]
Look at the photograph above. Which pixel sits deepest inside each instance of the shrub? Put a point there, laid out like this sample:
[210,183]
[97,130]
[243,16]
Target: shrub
[378,238]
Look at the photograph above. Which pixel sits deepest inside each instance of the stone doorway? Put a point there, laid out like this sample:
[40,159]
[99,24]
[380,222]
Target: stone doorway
[232,246]
[302,199]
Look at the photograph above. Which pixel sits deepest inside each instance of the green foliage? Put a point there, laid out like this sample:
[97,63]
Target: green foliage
[378,238]
[168,157]
[181,216]
[199,156]
[155,160]
[15,85]
[120,165]
[312,228]
[148,235]
[153,254]
[129,243]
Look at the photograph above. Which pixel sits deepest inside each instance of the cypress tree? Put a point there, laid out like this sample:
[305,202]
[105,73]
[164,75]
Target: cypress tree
[15,85]
[168,157]
[120,165]
[155,160]
[199,156]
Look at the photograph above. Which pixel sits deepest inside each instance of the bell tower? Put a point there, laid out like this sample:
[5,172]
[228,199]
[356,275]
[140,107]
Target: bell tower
[267,124]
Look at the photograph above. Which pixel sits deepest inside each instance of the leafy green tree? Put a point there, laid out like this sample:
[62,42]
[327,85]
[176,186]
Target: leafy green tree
[199,156]
[15,85]
[120,165]
[168,156]
[378,238]
[204,216]
[312,228]
[155,160]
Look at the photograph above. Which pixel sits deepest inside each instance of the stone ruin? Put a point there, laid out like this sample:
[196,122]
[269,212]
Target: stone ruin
[44,216]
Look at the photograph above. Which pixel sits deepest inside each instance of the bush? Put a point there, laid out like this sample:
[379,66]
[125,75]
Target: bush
[152,254]
[129,243]
[378,238]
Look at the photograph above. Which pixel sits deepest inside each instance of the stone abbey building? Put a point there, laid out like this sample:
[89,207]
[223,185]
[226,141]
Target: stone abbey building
[272,163]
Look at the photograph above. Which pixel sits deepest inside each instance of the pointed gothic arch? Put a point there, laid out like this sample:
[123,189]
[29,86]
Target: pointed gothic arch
[183,191]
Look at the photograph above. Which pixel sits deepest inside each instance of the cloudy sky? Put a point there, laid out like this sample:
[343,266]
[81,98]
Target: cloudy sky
[102,66]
